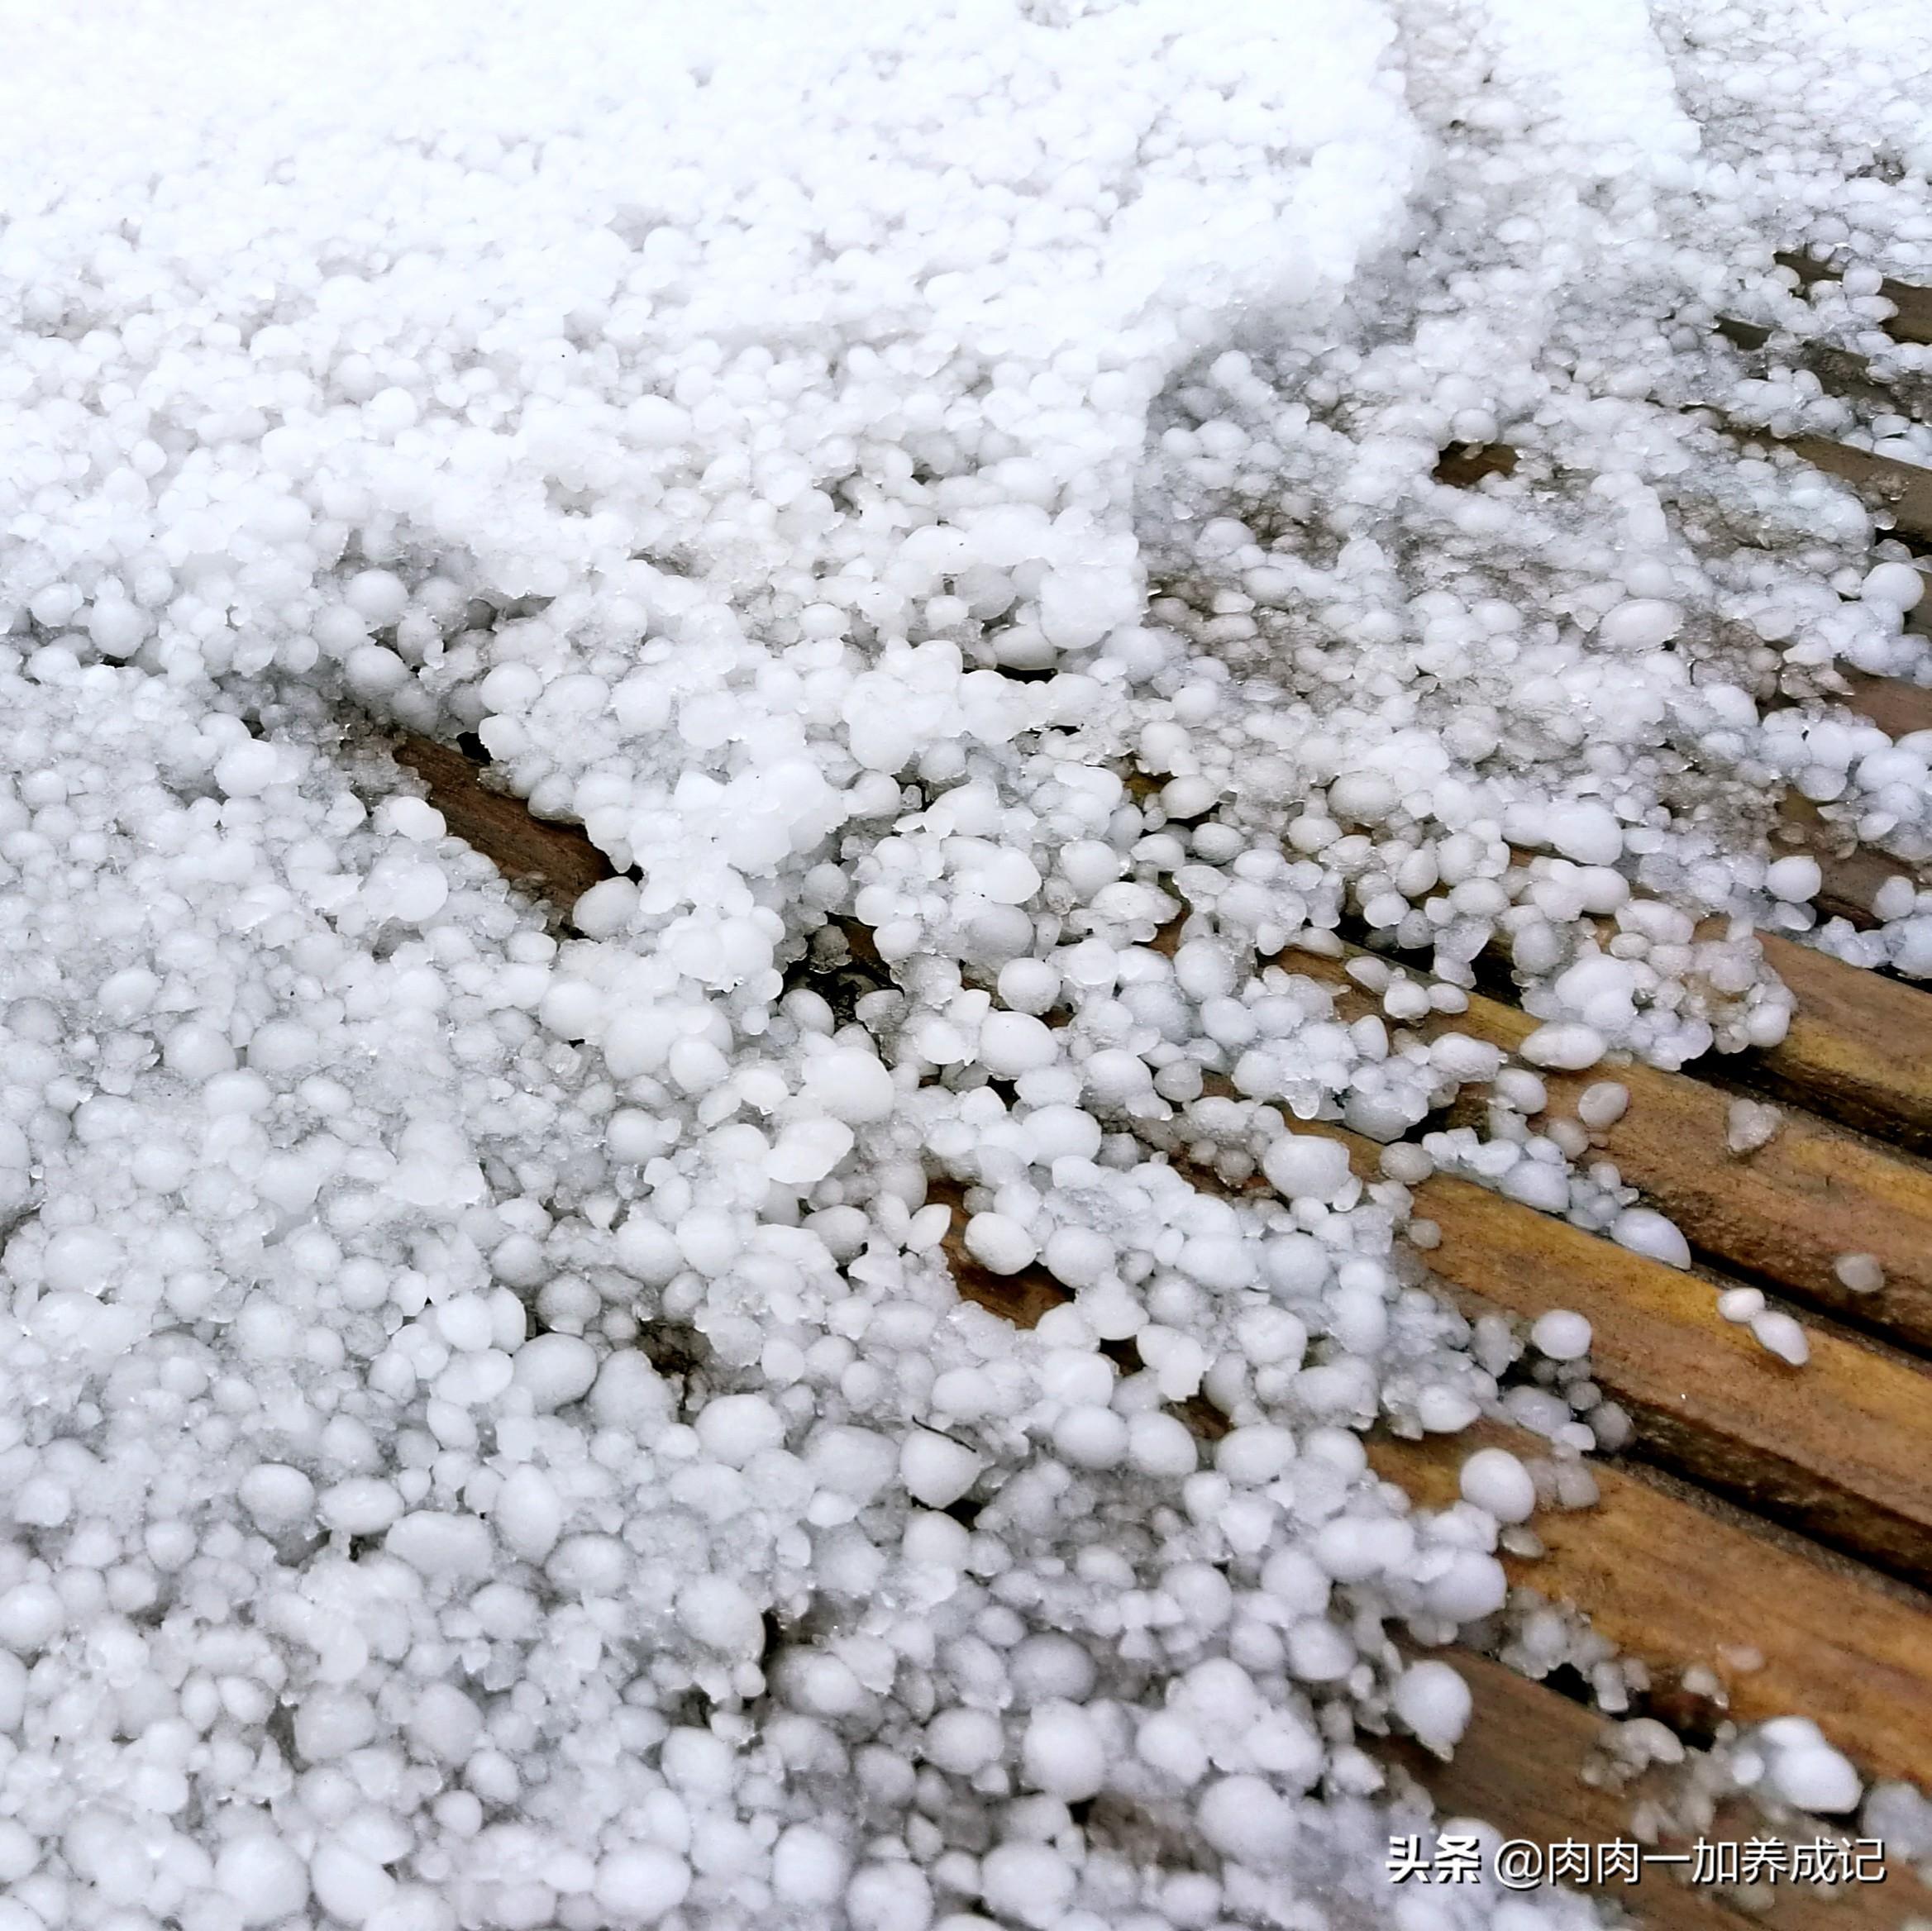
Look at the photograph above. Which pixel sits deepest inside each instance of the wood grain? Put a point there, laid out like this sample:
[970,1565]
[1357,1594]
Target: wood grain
[1839,1448]
[1859,1049]
[1527,1755]
[554,860]
[1783,1213]
[1678,1578]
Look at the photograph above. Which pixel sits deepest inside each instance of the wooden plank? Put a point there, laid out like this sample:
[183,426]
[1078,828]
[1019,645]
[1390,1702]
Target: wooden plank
[1903,489]
[1667,1574]
[1526,1758]
[1913,322]
[557,861]
[1852,873]
[1859,1049]
[1839,1448]
[1678,1578]
[1783,1213]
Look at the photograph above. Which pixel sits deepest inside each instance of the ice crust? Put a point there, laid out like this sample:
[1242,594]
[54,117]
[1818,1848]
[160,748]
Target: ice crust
[489,1437]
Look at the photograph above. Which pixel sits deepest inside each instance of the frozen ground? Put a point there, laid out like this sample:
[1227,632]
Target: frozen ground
[487,1435]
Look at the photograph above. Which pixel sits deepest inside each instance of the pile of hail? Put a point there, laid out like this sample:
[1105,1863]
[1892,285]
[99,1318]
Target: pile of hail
[946,494]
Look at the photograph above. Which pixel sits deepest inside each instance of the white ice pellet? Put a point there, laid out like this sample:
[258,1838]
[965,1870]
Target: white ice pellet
[263,1879]
[1741,1304]
[1750,1124]
[1561,1335]
[641,1885]
[1644,1231]
[1641,623]
[1433,1703]
[936,1470]
[1013,1043]
[851,1085]
[1585,832]
[1806,1771]
[1777,1332]
[998,1241]
[1900,586]
[1301,1167]
[1493,1479]
[1063,1753]
[1859,1273]
[1602,1103]
[1796,881]
[554,1369]
[1563,1047]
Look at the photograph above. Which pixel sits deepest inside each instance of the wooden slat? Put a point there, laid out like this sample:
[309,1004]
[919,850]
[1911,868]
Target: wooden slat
[1677,1578]
[1902,488]
[1525,1758]
[1784,1213]
[557,860]
[1674,1578]
[1859,1049]
[1913,322]
[1839,1447]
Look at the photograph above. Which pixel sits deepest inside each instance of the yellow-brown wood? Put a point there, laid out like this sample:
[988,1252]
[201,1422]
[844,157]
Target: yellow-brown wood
[556,861]
[1678,1578]
[1784,1212]
[1859,1049]
[1840,1448]
[1525,1758]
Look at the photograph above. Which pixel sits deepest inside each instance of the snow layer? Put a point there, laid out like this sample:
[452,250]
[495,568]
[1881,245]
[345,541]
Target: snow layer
[488,1434]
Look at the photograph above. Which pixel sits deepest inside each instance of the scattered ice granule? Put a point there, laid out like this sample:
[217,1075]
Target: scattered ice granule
[1000,1242]
[1859,1273]
[1494,1480]
[1895,898]
[1797,880]
[1741,1304]
[1585,830]
[1779,1334]
[1602,1103]
[1299,1166]
[1898,585]
[1433,1703]
[1750,1124]
[1563,1047]
[1561,1334]
[1805,1770]
[1644,1231]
